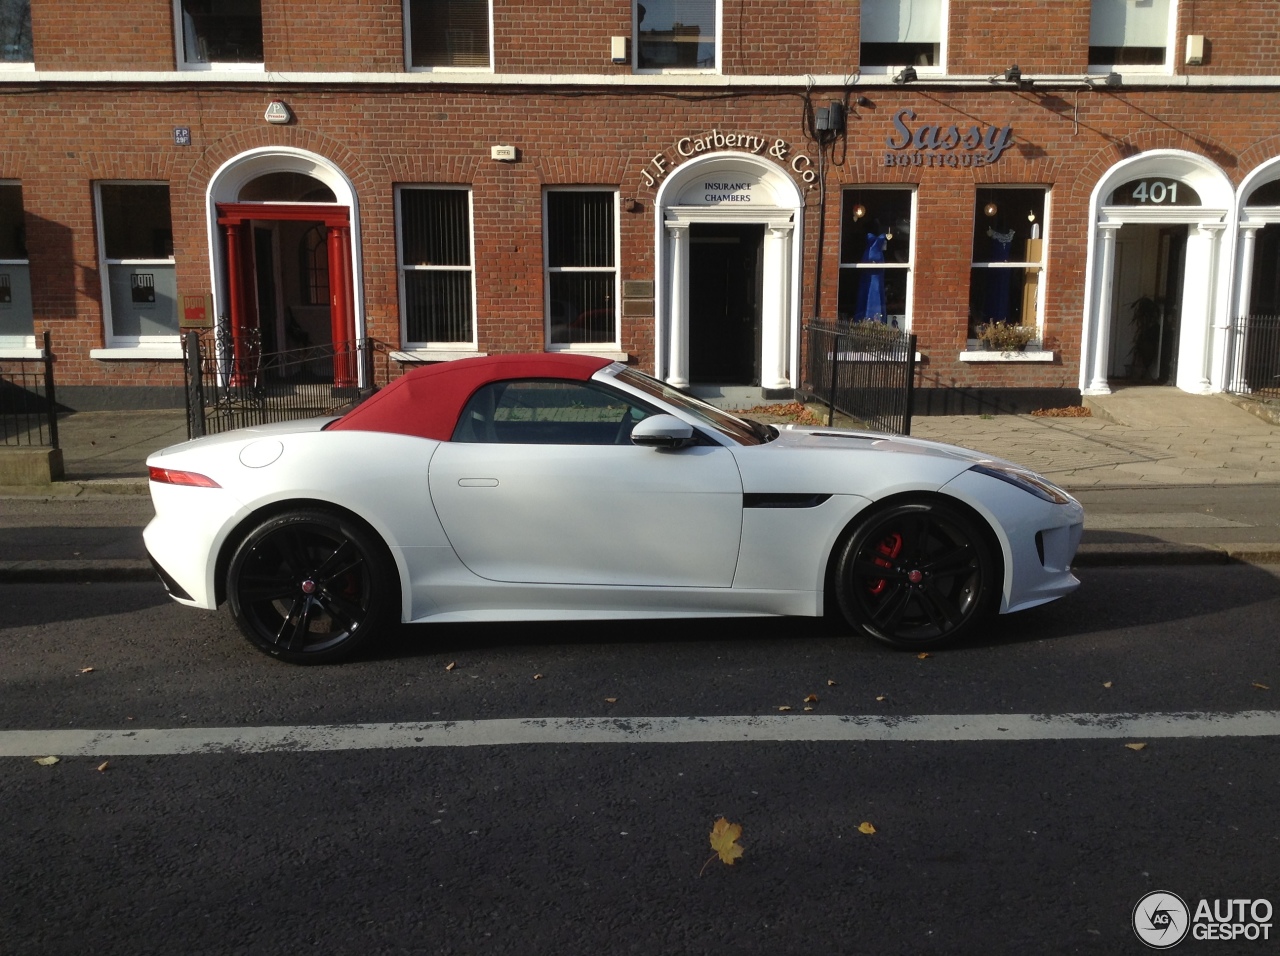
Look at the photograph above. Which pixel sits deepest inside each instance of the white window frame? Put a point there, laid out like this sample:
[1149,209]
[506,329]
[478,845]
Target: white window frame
[1041,267]
[910,264]
[414,346]
[21,343]
[939,69]
[616,269]
[25,66]
[408,47]
[1170,54]
[635,46]
[180,48]
[129,346]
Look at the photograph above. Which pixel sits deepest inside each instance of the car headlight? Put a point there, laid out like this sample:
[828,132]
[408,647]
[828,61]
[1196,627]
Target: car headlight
[1028,481]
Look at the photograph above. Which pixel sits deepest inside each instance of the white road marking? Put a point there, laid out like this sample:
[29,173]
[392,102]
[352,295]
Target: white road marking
[634,730]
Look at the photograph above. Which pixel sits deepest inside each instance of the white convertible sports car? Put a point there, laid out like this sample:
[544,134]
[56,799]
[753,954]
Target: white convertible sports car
[554,486]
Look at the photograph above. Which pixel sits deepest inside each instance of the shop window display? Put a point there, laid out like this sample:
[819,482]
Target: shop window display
[875,256]
[1008,253]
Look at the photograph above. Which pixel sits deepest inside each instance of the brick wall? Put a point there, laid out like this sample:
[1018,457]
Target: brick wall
[58,146]
[108,35]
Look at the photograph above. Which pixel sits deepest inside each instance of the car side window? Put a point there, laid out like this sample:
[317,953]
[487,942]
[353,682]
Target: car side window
[541,412]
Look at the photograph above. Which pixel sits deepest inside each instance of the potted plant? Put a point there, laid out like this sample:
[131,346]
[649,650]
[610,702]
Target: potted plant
[1004,337]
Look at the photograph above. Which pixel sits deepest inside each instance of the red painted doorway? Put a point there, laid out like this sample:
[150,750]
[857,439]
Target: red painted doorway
[286,313]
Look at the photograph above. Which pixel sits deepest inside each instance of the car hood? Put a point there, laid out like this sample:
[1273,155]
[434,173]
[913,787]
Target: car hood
[840,439]
[809,460]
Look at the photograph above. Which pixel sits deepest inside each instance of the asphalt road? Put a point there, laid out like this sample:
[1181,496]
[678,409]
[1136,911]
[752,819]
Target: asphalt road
[981,846]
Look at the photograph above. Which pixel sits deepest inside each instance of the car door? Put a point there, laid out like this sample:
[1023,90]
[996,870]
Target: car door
[541,484]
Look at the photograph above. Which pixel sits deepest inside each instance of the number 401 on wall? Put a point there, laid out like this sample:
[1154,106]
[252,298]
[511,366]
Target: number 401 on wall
[1155,191]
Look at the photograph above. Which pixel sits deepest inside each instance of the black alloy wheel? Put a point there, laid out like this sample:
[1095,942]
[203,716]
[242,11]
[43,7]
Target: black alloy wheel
[311,586]
[917,574]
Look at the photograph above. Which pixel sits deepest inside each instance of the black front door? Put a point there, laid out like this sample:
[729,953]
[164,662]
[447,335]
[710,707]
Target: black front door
[724,303]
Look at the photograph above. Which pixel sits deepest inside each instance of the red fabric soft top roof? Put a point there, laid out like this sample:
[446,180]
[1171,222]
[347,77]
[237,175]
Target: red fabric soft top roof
[427,401]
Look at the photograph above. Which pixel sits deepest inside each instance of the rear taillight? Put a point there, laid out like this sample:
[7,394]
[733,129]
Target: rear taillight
[171,476]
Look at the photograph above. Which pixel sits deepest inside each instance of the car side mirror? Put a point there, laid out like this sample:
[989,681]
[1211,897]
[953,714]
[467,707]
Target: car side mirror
[662,431]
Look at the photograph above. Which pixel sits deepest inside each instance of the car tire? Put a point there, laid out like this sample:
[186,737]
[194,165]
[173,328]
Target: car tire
[917,574]
[312,586]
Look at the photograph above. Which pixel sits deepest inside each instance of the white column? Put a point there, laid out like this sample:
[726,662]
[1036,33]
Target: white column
[1196,340]
[1234,355]
[1106,267]
[774,327]
[678,306]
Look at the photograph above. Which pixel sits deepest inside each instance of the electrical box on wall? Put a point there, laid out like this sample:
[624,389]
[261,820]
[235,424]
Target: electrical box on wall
[618,49]
[1195,49]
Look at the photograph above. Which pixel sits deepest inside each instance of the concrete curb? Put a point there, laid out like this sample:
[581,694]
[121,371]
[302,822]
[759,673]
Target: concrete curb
[76,489]
[103,570]
[1165,553]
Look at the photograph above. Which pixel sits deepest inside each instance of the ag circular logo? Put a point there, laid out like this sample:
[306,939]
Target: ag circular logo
[1161,919]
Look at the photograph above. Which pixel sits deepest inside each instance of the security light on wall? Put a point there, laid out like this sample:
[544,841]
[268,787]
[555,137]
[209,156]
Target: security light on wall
[618,49]
[1195,49]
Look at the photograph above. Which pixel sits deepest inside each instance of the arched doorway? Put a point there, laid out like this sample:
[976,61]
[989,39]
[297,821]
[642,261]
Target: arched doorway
[727,251]
[285,275]
[1156,299]
[1257,304]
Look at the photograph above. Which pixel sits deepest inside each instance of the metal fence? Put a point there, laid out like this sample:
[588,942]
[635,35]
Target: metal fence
[232,383]
[865,370]
[28,404]
[1256,371]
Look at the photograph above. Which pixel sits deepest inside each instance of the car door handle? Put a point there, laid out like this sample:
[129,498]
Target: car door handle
[477,482]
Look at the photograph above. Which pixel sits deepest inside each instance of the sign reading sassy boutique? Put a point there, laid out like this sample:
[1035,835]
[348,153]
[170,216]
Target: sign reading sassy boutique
[722,191]
[930,145]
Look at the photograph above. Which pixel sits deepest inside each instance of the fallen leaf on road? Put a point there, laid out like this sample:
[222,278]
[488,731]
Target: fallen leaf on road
[451,665]
[1135,746]
[922,655]
[724,840]
[866,828]
[103,766]
[537,677]
[881,697]
[808,708]
[611,700]
[46,761]
[784,708]
[86,670]
[1261,686]
[831,683]
[1106,683]
[811,699]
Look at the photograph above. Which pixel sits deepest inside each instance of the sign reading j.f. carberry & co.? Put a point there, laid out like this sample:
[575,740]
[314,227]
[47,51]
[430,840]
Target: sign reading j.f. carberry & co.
[716,140]
[927,144]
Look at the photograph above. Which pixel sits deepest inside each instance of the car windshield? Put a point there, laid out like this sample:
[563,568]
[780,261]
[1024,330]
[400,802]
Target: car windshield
[744,431]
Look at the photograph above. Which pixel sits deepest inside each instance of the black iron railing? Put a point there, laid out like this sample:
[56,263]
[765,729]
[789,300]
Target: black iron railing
[28,404]
[864,369]
[1256,370]
[232,383]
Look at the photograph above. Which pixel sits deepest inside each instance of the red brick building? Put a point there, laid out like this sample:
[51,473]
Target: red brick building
[682,184]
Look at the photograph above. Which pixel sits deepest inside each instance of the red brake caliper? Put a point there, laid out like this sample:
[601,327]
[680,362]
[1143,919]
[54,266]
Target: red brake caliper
[890,546]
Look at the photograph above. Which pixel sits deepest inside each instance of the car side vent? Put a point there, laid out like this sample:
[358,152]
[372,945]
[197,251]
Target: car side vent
[779,500]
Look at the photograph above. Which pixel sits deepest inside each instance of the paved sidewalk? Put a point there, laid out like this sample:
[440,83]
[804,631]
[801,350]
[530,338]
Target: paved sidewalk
[1139,436]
